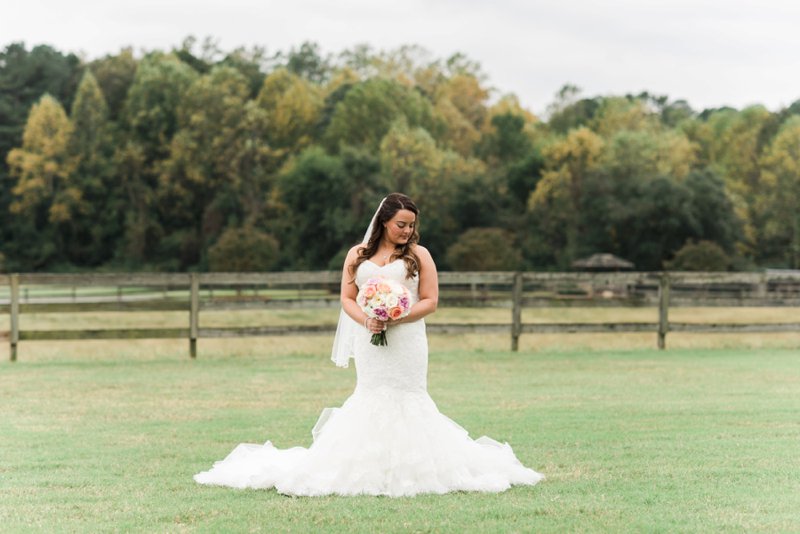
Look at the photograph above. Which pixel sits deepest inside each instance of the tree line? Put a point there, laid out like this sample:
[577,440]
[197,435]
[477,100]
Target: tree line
[202,159]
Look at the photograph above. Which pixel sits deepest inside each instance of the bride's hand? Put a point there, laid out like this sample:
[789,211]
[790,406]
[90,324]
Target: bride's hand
[376,326]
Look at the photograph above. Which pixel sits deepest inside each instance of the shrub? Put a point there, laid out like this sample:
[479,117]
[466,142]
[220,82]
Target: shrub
[484,249]
[700,256]
[243,249]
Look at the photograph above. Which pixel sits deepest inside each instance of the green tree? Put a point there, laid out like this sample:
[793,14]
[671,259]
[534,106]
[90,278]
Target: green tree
[412,163]
[24,77]
[115,75]
[315,218]
[713,210]
[368,109]
[150,121]
[308,62]
[217,168]
[409,159]
[142,229]
[569,111]
[647,221]
[251,63]
[91,234]
[159,87]
[506,142]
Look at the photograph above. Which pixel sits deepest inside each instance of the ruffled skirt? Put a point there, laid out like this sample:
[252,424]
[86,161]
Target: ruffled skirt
[382,441]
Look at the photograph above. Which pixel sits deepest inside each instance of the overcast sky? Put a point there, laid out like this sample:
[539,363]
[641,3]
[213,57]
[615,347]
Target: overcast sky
[711,53]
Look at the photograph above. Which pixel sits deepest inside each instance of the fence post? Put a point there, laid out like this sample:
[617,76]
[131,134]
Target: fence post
[516,311]
[14,282]
[763,286]
[663,310]
[193,314]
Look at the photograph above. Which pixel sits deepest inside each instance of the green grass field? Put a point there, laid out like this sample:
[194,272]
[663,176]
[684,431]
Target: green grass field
[106,437]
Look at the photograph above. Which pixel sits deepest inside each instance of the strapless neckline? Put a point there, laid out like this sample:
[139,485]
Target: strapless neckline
[382,266]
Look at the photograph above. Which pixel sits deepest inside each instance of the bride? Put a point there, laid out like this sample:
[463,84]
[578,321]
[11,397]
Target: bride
[388,438]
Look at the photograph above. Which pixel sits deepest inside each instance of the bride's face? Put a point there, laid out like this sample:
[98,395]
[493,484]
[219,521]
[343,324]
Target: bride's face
[398,229]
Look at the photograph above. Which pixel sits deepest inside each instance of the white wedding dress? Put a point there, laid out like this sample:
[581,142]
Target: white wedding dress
[388,438]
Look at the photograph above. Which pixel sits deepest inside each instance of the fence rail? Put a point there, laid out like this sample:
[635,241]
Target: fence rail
[196,292]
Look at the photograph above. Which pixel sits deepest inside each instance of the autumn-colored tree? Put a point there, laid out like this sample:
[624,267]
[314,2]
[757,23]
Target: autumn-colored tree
[458,133]
[554,205]
[162,154]
[779,204]
[44,194]
[43,165]
[645,154]
[622,113]
[292,106]
[734,142]
[26,75]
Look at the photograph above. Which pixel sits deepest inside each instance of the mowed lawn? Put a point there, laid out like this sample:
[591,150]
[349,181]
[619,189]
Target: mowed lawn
[686,440]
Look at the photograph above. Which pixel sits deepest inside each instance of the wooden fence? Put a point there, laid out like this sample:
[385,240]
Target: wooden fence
[196,292]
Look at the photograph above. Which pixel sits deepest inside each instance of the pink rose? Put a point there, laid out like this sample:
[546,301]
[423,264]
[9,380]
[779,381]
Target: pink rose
[384,288]
[395,312]
[369,291]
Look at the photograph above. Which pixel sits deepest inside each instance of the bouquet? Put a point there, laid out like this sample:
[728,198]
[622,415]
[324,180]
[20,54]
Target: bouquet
[384,299]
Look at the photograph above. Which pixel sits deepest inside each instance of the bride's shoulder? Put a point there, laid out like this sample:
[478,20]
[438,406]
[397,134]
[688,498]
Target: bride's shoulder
[419,250]
[354,251]
[352,257]
[422,253]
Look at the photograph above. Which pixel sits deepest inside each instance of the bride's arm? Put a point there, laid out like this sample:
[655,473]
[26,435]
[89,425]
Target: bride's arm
[428,288]
[349,292]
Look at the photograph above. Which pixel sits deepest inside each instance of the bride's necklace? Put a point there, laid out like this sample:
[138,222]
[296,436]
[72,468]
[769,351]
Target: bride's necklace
[385,257]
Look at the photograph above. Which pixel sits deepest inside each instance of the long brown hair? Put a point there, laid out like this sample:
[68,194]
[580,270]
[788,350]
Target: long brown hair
[391,205]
